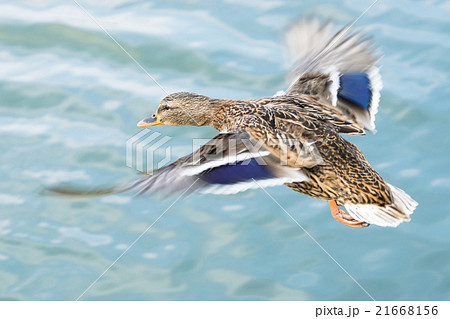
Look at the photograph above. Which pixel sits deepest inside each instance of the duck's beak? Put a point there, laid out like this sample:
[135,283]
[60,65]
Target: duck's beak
[150,121]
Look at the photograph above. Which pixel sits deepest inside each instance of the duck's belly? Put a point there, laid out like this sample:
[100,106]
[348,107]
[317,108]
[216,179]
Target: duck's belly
[326,187]
[345,175]
[328,184]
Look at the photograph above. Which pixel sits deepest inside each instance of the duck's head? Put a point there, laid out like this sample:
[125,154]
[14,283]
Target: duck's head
[182,108]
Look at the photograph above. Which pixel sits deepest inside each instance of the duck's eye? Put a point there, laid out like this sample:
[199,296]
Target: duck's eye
[165,107]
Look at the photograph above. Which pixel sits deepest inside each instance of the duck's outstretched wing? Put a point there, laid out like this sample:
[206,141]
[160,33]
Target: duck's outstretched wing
[337,67]
[308,112]
[227,164]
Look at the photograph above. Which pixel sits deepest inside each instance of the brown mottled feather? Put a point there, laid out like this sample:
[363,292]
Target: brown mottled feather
[342,174]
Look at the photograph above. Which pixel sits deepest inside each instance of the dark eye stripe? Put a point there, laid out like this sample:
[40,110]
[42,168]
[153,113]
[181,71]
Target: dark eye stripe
[166,107]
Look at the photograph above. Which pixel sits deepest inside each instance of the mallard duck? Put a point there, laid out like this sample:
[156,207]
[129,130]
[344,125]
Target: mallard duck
[293,138]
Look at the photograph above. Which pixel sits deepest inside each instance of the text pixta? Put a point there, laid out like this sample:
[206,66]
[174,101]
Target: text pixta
[337,311]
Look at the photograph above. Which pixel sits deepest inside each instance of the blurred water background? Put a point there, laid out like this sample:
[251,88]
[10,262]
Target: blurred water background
[70,98]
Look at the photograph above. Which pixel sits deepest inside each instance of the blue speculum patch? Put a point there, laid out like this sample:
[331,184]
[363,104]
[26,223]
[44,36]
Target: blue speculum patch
[235,173]
[355,88]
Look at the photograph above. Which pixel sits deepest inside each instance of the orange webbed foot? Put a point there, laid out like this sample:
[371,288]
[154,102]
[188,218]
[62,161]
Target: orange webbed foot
[344,217]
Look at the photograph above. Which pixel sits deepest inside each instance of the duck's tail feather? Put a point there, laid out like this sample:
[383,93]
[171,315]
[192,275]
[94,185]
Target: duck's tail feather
[389,216]
[339,68]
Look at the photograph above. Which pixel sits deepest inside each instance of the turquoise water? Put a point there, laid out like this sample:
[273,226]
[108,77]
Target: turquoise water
[70,98]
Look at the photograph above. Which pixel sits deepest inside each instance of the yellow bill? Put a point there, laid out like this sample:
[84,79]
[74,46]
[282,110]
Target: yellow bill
[150,121]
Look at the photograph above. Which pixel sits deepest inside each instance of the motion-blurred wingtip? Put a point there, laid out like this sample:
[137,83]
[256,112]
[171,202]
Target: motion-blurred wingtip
[70,191]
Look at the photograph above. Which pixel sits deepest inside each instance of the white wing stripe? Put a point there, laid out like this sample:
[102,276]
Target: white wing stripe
[194,170]
[375,86]
[334,87]
[242,186]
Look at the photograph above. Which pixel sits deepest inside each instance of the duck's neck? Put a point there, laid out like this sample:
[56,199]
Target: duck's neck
[217,111]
